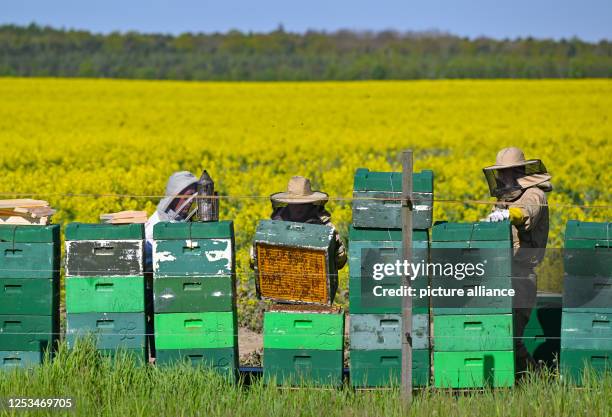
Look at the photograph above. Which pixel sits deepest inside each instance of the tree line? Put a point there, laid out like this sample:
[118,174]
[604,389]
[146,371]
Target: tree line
[279,55]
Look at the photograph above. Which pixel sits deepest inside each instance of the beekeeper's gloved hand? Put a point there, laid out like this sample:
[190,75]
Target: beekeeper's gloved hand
[499,215]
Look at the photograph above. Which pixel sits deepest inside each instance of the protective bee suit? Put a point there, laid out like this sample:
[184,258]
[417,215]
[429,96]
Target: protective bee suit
[179,183]
[520,187]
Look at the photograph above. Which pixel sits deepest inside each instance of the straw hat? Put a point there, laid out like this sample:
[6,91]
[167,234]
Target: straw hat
[509,158]
[299,191]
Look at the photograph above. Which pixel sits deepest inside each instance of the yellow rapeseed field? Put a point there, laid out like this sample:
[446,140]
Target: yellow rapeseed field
[127,137]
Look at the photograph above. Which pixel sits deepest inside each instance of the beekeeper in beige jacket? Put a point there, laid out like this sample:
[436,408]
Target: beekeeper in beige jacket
[520,187]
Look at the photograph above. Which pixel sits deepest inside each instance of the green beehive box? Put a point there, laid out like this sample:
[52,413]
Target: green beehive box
[367,301]
[104,249]
[474,243]
[20,359]
[588,246]
[194,294]
[576,362]
[383,331]
[303,367]
[295,262]
[26,296]
[476,369]
[222,360]
[376,199]
[208,330]
[542,334]
[303,330]
[586,331]
[111,331]
[483,243]
[368,247]
[104,231]
[383,368]
[28,333]
[473,332]
[477,304]
[582,294]
[29,251]
[193,249]
[105,294]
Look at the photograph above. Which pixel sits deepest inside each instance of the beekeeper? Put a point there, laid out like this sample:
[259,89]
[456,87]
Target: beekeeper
[174,207]
[520,187]
[301,204]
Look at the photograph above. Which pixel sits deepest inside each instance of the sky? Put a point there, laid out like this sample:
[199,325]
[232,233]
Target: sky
[589,20]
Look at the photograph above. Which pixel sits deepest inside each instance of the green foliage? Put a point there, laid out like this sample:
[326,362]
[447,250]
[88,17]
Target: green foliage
[279,55]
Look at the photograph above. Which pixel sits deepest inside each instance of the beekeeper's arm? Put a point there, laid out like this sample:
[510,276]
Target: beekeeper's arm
[525,213]
[528,211]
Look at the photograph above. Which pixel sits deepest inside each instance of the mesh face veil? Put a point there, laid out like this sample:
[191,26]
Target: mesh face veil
[177,215]
[508,183]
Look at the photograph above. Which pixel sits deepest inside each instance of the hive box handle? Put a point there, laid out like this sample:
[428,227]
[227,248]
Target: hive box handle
[195,357]
[193,323]
[13,324]
[302,360]
[104,286]
[13,253]
[601,323]
[11,361]
[105,324]
[472,325]
[192,286]
[389,360]
[302,324]
[104,250]
[389,323]
[12,289]
[473,361]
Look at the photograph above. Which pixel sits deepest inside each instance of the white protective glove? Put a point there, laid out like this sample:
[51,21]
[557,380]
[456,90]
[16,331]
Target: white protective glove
[499,215]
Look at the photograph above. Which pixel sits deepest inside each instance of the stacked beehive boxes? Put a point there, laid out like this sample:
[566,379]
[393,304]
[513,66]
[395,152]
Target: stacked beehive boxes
[105,287]
[303,332]
[194,295]
[473,336]
[376,238]
[586,333]
[29,293]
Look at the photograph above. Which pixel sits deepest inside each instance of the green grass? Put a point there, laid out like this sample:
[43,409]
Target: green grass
[102,386]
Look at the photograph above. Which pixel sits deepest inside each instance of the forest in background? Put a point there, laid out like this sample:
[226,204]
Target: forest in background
[37,51]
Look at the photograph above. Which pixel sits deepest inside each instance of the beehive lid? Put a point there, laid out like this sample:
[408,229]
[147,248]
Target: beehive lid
[469,232]
[303,235]
[99,231]
[30,234]
[193,230]
[366,180]
[588,230]
[381,235]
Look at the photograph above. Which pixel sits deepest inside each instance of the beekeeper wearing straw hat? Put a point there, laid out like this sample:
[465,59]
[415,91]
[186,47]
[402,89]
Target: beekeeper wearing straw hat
[520,186]
[301,204]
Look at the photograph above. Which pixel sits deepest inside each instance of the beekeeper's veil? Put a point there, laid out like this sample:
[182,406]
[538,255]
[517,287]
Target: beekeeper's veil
[177,184]
[511,174]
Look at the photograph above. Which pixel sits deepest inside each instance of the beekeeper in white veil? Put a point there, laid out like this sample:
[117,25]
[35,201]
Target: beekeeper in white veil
[175,207]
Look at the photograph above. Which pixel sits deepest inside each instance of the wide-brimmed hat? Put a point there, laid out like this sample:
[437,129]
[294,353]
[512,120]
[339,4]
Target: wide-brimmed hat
[510,158]
[299,191]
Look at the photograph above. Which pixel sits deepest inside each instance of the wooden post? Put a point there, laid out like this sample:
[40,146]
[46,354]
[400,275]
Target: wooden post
[407,255]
